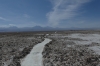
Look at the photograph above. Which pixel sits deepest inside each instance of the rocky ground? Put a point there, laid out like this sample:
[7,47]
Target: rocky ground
[68,50]
[17,46]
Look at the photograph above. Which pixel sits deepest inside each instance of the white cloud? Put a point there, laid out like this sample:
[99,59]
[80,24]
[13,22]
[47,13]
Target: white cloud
[1,18]
[10,25]
[64,10]
[26,15]
[7,25]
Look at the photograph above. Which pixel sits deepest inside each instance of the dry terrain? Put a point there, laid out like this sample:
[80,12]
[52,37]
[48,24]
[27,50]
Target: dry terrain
[73,48]
[15,46]
[67,48]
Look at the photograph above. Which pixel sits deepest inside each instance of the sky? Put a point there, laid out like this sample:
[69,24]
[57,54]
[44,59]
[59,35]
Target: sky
[53,13]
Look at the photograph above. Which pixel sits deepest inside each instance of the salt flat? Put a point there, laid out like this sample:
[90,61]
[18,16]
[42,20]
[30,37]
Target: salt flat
[88,40]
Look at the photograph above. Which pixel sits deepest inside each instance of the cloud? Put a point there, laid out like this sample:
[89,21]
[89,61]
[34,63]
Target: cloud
[26,16]
[1,18]
[10,25]
[64,10]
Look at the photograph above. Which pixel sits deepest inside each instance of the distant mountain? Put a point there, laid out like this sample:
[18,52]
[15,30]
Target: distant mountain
[39,28]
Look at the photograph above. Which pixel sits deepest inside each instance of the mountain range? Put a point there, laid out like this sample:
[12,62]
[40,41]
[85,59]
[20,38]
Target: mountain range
[39,28]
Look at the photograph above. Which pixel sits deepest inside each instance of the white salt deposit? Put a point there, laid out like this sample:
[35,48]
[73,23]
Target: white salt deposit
[82,42]
[35,56]
[89,37]
[96,49]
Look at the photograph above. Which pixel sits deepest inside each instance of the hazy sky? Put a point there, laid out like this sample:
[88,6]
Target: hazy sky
[54,13]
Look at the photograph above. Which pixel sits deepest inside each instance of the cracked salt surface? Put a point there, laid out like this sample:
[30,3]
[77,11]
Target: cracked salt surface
[35,56]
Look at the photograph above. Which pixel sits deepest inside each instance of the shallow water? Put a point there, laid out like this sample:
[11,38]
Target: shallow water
[35,56]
